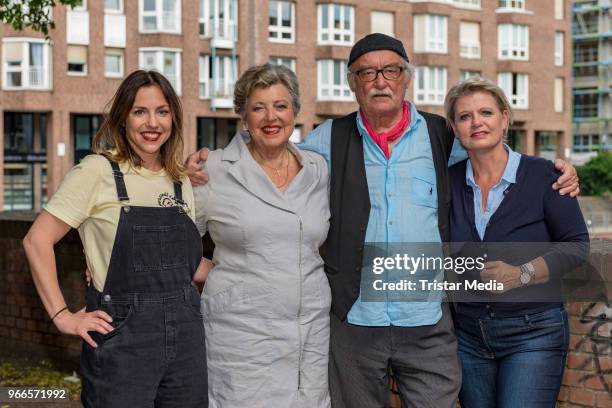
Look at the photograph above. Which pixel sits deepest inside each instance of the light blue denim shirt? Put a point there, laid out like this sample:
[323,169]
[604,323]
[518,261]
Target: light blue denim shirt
[496,194]
[404,208]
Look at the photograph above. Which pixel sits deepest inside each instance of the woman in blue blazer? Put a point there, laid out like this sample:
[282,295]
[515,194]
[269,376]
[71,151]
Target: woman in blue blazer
[512,343]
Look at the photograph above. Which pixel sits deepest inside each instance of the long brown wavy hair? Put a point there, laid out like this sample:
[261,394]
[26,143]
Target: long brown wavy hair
[111,139]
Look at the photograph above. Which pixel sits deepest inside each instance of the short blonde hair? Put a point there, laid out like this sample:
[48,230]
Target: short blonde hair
[264,76]
[471,86]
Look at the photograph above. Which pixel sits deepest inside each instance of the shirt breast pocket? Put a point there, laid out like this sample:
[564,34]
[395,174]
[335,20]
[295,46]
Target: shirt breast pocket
[423,188]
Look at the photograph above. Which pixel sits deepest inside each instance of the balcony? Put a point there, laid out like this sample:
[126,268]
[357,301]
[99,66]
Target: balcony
[222,94]
[223,33]
[28,78]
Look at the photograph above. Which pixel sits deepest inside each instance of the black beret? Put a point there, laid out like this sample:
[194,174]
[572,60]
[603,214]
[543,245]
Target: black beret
[376,42]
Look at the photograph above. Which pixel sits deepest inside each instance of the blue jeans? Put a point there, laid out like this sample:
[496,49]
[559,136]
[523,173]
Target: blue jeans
[512,362]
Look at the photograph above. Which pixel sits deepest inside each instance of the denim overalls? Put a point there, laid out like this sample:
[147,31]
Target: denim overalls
[155,356]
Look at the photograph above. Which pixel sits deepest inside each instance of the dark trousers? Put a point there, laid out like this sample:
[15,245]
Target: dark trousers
[423,359]
[512,362]
[153,358]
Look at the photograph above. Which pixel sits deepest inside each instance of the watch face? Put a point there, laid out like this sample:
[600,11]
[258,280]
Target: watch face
[525,278]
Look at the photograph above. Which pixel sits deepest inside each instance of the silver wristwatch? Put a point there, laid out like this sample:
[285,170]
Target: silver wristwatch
[527,273]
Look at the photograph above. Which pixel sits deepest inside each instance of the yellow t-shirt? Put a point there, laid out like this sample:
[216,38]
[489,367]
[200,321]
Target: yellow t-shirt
[87,200]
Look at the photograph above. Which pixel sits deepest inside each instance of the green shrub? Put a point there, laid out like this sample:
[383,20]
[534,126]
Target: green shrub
[596,175]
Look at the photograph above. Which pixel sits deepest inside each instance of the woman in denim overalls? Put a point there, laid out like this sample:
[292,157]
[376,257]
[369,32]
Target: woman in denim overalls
[142,329]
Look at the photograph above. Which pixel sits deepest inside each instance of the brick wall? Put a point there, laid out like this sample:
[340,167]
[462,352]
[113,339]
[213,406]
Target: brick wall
[25,327]
[588,374]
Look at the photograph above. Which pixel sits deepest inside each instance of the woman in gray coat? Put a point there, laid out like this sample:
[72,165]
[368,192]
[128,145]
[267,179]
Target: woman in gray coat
[266,301]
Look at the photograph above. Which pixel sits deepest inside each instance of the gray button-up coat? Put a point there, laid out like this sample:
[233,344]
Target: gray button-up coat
[266,302]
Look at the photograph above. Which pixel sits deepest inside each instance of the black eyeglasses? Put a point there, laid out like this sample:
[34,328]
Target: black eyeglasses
[390,73]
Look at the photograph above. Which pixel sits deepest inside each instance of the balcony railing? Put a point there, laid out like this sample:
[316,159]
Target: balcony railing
[36,77]
[223,29]
[169,21]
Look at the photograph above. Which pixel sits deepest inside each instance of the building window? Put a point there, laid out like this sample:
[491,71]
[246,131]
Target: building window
[215,133]
[430,33]
[382,22]
[513,42]
[217,76]
[160,16]
[512,5]
[281,21]
[465,74]
[113,6]
[77,60]
[558,95]
[165,61]
[25,179]
[516,88]
[559,4]
[288,62]
[84,128]
[430,85]
[587,143]
[113,63]
[586,57]
[469,40]
[585,24]
[336,24]
[585,103]
[332,82]
[204,19]
[467,3]
[218,19]
[26,64]
[559,48]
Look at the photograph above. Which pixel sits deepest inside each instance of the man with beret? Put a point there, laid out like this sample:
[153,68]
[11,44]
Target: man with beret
[388,184]
[388,165]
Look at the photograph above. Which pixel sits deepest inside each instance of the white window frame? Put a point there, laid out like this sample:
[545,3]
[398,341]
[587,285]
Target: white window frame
[511,5]
[281,61]
[468,4]
[85,64]
[279,28]
[391,30]
[204,19]
[469,49]
[114,11]
[327,90]
[204,76]
[159,18]
[225,29]
[558,94]
[430,85]
[466,73]
[559,45]
[330,31]
[121,66]
[435,35]
[216,86]
[25,68]
[513,42]
[510,81]
[159,63]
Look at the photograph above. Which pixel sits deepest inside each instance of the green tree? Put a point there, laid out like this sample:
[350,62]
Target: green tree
[34,14]
[596,175]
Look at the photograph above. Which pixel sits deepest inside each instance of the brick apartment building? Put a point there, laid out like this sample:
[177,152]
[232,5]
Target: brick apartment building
[53,93]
